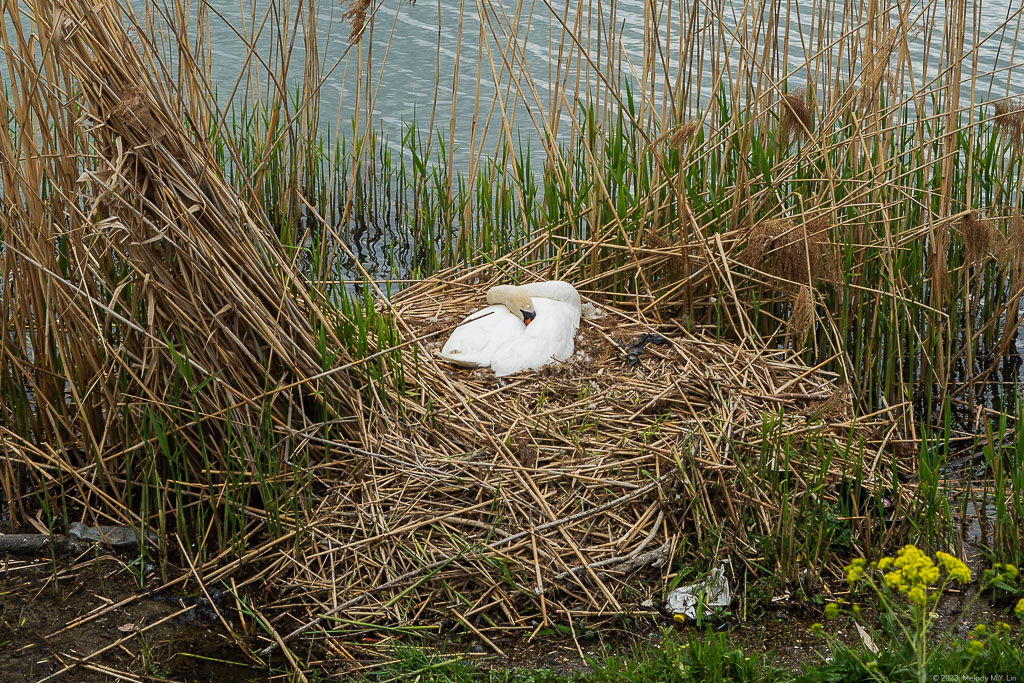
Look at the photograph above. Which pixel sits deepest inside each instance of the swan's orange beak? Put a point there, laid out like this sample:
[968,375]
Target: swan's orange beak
[528,317]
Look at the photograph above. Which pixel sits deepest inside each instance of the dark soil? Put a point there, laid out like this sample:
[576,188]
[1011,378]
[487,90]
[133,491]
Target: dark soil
[37,606]
[40,603]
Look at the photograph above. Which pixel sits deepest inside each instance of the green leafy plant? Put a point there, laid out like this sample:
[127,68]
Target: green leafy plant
[908,588]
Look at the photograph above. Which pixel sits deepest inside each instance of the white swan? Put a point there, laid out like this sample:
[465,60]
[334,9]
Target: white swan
[524,328]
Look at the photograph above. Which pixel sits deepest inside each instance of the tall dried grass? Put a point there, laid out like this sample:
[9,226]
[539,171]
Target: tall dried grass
[174,354]
[142,297]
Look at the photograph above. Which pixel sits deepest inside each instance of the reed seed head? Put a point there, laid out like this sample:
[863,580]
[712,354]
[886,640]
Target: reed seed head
[1009,119]
[838,406]
[791,251]
[978,235]
[674,262]
[681,134]
[797,115]
[1010,253]
[356,16]
[801,320]
[135,107]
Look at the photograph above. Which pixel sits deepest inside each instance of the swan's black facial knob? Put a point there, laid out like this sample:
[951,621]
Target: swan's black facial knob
[528,316]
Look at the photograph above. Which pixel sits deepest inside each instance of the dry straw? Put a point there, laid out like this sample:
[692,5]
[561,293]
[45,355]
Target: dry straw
[557,494]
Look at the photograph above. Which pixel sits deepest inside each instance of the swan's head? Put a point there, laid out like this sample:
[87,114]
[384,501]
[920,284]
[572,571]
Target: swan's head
[514,299]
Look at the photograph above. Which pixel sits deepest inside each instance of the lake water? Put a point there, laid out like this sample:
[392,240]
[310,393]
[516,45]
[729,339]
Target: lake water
[412,54]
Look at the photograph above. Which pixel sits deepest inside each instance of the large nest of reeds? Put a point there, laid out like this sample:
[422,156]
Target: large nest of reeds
[571,490]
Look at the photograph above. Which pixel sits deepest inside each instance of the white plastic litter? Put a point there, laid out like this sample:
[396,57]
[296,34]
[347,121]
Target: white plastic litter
[592,312]
[113,536]
[713,593]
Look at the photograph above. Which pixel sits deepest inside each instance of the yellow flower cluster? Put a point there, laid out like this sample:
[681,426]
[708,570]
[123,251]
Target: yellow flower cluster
[1019,609]
[1007,572]
[855,570]
[912,572]
[956,569]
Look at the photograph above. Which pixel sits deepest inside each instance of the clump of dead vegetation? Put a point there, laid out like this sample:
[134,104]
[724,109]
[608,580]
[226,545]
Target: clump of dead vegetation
[796,115]
[794,251]
[552,495]
[170,297]
[1009,119]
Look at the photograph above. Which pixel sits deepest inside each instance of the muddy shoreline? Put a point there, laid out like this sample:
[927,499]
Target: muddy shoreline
[85,618]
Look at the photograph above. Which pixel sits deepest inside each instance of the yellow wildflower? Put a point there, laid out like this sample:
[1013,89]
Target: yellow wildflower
[853,573]
[917,595]
[975,647]
[831,610]
[885,563]
[1019,609]
[956,569]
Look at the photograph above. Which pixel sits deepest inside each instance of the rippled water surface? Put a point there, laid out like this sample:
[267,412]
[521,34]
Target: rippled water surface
[413,53]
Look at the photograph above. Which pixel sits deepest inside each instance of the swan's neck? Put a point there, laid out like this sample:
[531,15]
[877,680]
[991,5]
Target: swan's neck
[500,294]
[554,289]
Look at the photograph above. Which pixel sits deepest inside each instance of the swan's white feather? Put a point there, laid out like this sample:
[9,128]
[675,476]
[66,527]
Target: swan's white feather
[474,342]
[496,338]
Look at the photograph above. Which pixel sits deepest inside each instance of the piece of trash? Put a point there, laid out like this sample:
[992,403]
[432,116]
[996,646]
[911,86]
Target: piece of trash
[592,312]
[711,593]
[634,350]
[869,643]
[113,536]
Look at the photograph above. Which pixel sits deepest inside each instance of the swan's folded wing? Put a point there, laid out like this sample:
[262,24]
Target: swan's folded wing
[474,342]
